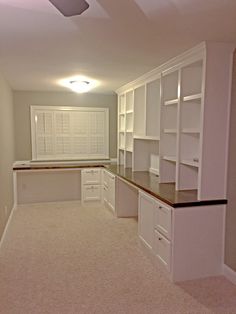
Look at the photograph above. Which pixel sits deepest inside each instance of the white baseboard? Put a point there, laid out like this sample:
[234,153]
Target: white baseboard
[7,224]
[229,273]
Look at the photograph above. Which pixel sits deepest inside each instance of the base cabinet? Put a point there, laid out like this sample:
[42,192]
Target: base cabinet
[188,242]
[109,189]
[91,185]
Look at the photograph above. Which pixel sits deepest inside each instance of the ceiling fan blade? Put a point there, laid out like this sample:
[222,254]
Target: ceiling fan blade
[70,7]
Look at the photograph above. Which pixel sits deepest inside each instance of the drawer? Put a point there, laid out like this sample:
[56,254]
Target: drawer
[163,219]
[105,194]
[162,249]
[105,178]
[91,176]
[91,193]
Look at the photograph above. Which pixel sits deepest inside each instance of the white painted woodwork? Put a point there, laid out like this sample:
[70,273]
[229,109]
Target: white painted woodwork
[59,133]
[184,106]
[91,184]
[163,219]
[91,176]
[188,241]
[109,190]
[162,249]
[146,218]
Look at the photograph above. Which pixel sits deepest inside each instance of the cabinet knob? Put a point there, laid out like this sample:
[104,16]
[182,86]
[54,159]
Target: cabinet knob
[160,207]
[159,239]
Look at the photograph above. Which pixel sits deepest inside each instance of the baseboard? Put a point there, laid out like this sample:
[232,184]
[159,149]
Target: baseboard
[229,273]
[6,226]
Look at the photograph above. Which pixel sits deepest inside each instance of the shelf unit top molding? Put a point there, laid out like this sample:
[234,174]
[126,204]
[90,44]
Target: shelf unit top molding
[173,64]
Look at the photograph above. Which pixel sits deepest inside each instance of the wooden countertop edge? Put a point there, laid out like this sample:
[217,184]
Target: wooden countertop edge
[165,200]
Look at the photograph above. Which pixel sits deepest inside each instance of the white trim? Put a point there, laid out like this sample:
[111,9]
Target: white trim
[194,53]
[71,156]
[6,226]
[229,273]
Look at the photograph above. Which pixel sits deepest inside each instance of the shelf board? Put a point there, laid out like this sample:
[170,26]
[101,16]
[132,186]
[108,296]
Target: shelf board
[129,131]
[170,131]
[192,97]
[121,148]
[169,158]
[121,113]
[191,130]
[190,162]
[144,137]
[121,131]
[171,102]
[129,111]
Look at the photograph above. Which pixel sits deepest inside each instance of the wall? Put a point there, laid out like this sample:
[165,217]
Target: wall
[230,241]
[6,152]
[23,100]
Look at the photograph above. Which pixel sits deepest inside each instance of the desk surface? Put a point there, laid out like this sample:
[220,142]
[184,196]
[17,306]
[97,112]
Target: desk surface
[141,179]
[164,191]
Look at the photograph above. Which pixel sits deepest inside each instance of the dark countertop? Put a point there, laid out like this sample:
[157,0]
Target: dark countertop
[163,191]
[44,165]
[141,179]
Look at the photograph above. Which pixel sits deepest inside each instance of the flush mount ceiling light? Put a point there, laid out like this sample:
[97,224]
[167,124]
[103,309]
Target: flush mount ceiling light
[80,86]
[70,7]
[79,83]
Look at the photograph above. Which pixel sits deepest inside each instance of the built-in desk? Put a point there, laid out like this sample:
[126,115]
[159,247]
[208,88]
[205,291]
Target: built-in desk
[166,192]
[182,233]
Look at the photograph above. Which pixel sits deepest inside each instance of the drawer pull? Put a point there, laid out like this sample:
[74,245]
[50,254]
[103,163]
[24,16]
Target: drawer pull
[160,207]
[159,239]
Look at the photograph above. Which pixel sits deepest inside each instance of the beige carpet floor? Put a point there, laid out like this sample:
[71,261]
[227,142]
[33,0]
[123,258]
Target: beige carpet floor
[64,258]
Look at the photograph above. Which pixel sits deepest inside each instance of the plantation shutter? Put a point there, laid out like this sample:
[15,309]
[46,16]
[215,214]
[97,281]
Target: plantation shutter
[69,133]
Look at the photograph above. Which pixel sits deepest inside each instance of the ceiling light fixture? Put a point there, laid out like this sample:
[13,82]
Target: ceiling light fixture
[80,86]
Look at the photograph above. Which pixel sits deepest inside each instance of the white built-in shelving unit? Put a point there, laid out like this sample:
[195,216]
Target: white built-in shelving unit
[173,121]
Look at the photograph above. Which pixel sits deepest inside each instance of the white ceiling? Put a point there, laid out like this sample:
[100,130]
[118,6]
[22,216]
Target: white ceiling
[114,41]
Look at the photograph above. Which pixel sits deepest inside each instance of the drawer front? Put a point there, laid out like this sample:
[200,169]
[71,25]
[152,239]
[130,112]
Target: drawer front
[105,178]
[91,192]
[105,194]
[162,249]
[163,219]
[91,176]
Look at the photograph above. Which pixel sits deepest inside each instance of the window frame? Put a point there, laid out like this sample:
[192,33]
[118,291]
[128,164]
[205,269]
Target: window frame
[35,108]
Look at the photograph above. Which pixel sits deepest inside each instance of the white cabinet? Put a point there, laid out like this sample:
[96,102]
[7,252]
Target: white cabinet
[125,128]
[180,120]
[154,220]
[91,184]
[109,189]
[187,242]
[146,219]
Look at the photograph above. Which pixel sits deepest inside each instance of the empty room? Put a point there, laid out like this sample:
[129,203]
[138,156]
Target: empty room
[117,156]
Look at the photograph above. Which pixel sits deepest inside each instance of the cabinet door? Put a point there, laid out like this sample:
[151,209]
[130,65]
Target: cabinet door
[105,195]
[146,218]
[162,249]
[112,192]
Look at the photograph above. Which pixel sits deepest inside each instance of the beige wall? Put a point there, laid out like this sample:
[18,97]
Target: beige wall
[23,100]
[230,245]
[6,152]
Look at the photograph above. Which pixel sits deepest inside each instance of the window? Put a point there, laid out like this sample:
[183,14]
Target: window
[69,133]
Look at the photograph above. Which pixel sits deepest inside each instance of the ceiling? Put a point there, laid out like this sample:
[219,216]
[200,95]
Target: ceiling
[113,42]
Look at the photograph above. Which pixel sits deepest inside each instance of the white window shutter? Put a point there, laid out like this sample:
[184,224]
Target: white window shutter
[69,133]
